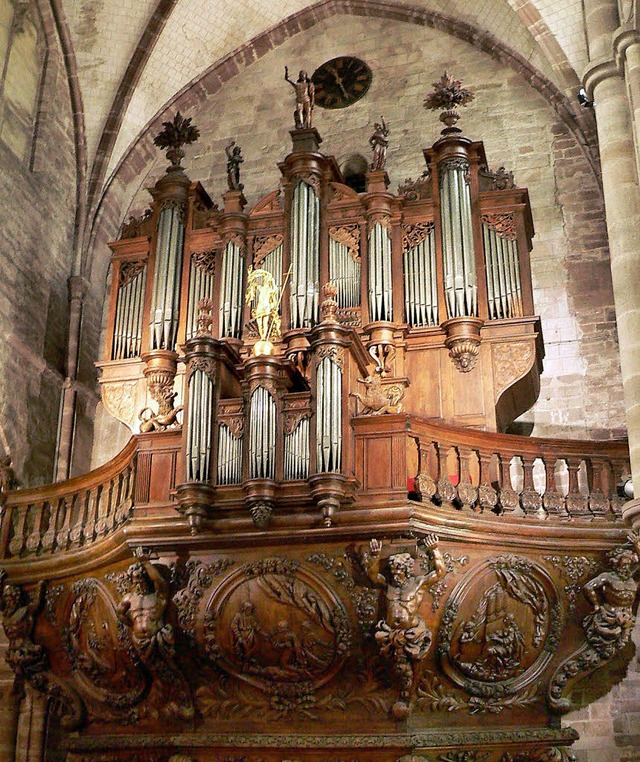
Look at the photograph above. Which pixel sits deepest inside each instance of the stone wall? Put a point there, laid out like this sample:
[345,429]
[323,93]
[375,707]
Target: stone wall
[37,204]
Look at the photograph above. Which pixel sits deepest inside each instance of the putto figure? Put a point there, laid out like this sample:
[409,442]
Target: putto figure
[379,142]
[305,99]
[234,160]
[403,635]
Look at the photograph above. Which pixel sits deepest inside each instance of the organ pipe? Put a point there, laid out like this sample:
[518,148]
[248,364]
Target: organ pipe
[329,416]
[166,283]
[127,335]
[344,273]
[380,293]
[460,283]
[305,261]
[231,291]
[229,456]
[199,426]
[296,452]
[201,284]
[420,285]
[504,290]
[262,435]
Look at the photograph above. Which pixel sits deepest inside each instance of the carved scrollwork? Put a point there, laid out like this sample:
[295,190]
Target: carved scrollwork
[607,628]
[136,226]
[310,178]
[205,261]
[380,217]
[119,398]
[455,164]
[413,235]
[416,190]
[200,577]
[510,362]
[349,236]
[502,224]
[263,245]
[552,754]
[572,569]
[130,270]
[334,353]
[270,203]
[501,179]
[204,364]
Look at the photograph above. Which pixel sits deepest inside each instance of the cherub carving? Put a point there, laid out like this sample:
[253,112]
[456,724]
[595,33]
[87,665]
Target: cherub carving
[403,635]
[378,398]
[609,626]
[142,610]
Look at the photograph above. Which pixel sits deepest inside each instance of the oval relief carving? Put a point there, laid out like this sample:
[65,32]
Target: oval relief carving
[275,622]
[501,626]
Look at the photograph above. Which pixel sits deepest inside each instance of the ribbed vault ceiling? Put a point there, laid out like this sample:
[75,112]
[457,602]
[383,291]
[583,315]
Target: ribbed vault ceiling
[133,57]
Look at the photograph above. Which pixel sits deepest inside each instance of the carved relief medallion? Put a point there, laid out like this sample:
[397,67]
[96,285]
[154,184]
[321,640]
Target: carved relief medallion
[273,623]
[500,627]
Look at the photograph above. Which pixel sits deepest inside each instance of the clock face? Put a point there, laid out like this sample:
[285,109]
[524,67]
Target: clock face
[341,82]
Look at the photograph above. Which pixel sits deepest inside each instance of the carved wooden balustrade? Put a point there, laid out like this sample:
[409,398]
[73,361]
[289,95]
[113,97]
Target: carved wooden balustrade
[495,474]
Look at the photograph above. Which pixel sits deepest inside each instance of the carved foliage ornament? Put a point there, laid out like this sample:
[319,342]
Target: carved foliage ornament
[263,245]
[335,354]
[510,362]
[349,236]
[503,225]
[136,226]
[415,190]
[205,261]
[129,271]
[498,180]
[414,235]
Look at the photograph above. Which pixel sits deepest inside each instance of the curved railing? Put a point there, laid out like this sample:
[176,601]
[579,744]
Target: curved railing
[70,514]
[482,471]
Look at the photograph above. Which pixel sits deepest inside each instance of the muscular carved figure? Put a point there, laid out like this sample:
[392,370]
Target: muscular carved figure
[305,99]
[404,635]
[608,627]
[25,657]
[142,610]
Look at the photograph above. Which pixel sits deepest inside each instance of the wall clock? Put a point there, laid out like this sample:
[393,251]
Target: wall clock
[341,82]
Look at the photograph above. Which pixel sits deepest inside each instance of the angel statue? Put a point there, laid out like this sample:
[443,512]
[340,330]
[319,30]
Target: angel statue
[263,295]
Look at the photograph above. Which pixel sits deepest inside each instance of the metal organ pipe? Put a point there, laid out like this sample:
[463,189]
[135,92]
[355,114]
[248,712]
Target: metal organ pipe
[229,456]
[344,272]
[460,281]
[166,287]
[199,426]
[329,416]
[128,321]
[262,435]
[296,452]
[504,290]
[305,263]
[231,291]
[380,294]
[420,286]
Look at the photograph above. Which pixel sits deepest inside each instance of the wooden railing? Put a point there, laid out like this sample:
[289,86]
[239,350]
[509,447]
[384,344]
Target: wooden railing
[481,471]
[70,514]
[557,479]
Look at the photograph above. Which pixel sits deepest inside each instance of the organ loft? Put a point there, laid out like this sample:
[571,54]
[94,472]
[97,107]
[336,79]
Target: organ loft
[320,542]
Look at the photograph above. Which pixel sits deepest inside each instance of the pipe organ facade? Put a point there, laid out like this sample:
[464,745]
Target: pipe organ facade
[320,513]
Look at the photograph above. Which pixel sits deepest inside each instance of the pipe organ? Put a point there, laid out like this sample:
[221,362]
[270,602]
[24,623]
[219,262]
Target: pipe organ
[318,389]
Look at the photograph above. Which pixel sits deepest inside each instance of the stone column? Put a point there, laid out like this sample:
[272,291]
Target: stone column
[605,84]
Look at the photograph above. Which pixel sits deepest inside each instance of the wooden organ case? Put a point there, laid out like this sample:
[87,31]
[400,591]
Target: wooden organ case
[323,547]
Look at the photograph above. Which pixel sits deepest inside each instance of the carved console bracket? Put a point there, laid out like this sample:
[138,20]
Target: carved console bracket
[463,341]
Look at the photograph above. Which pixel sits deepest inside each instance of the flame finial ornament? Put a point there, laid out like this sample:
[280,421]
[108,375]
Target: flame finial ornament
[448,94]
[175,134]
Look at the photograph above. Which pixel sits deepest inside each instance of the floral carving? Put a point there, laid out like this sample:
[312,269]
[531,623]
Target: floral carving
[498,180]
[335,354]
[349,236]
[416,190]
[414,235]
[136,226]
[263,245]
[572,568]
[130,270]
[174,135]
[510,362]
[503,225]
[200,579]
[205,261]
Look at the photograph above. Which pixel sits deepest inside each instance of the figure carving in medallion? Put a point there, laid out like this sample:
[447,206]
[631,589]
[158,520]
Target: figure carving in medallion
[403,635]
[142,610]
[305,99]
[608,626]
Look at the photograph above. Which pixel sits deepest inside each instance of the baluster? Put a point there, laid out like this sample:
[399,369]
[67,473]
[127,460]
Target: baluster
[598,501]
[530,499]
[425,483]
[64,530]
[102,509]
[76,533]
[621,472]
[552,500]
[487,495]
[577,502]
[33,536]
[467,493]
[509,499]
[16,543]
[446,490]
[124,506]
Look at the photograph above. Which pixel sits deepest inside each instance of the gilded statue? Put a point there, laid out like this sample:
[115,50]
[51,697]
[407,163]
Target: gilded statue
[142,610]
[264,296]
[403,635]
[608,626]
[305,99]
